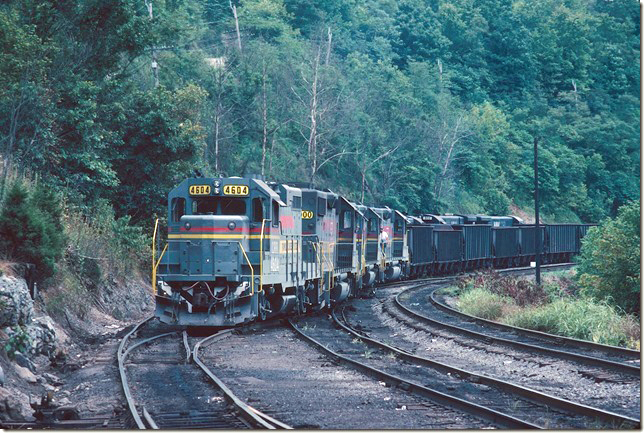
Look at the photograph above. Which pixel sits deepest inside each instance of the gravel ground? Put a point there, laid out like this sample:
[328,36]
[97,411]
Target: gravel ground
[553,376]
[274,371]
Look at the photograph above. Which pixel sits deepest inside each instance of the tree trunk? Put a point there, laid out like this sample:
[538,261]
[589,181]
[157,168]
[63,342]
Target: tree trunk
[217,142]
[328,48]
[234,9]
[313,115]
[264,116]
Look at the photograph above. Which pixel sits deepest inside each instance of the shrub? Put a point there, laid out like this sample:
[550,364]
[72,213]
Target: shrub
[101,242]
[18,341]
[609,265]
[482,303]
[578,318]
[31,228]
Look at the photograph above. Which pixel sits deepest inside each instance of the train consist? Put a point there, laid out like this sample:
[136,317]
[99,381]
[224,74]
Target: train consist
[241,249]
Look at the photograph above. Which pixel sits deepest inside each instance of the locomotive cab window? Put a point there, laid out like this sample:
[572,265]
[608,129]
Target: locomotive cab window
[346,219]
[178,208]
[398,226]
[218,206]
[276,214]
[258,210]
[297,202]
[321,206]
[372,226]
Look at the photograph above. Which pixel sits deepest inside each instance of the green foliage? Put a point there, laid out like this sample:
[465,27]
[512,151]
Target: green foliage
[100,245]
[579,318]
[18,341]
[609,265]
[31,228]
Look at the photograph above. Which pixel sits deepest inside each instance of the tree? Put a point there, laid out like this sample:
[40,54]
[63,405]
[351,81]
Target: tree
[609,265]
[31,228]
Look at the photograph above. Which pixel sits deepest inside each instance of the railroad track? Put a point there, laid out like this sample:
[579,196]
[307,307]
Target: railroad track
[343,348]
[223,411]
[421,303]
[540,404]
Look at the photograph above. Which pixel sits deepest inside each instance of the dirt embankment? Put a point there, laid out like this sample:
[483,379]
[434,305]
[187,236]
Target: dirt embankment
[58,353]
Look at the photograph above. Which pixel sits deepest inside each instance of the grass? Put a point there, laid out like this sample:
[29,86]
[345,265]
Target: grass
[482,303]
[555,308]
[579,318]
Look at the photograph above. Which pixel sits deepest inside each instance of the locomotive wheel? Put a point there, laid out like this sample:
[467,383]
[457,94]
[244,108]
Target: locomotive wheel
[264,306]
[301,300]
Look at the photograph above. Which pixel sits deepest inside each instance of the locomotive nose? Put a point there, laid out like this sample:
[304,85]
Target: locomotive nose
[210,245]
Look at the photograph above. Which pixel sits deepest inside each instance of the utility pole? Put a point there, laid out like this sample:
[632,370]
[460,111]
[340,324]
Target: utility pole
[537,232]
[155,65]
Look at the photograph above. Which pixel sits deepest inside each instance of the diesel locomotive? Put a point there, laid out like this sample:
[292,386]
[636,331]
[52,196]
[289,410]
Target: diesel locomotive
[242,249]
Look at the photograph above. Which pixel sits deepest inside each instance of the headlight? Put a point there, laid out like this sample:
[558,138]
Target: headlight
[232,225]
[188,226]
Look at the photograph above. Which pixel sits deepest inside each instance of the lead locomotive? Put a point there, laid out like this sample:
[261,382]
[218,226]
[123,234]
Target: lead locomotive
[241,249]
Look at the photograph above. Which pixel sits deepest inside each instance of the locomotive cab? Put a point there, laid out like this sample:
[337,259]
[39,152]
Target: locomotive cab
[210,273]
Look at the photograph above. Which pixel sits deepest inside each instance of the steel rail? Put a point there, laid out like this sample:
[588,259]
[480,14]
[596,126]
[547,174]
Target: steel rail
[534,395]
[251,415]
[186,346]
[577,357]
[498,418]
[148,419]
[121,356]
[553,338]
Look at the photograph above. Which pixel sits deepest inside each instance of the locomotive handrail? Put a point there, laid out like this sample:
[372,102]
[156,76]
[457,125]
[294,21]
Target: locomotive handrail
[328,261]
[331,263]
[154,269]
[154,258]
[317,255]
[261,256]
[252,270]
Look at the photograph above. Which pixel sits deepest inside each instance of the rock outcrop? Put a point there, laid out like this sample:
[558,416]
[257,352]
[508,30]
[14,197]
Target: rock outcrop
[18,322]
[16,306]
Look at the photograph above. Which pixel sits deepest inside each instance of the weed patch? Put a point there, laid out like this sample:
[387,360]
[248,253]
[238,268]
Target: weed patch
[579,318]
[482,303]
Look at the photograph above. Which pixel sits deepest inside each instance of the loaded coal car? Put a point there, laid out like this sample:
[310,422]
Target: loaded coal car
[528,244]
[505,240]
[448,243]
[420,240]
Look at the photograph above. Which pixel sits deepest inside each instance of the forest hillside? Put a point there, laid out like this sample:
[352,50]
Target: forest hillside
[421,105]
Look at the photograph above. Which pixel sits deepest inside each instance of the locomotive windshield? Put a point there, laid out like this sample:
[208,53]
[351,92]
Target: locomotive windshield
[218,206]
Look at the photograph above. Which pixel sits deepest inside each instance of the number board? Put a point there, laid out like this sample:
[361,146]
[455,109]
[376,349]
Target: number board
[307,214]
[199,189]
[235,190]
